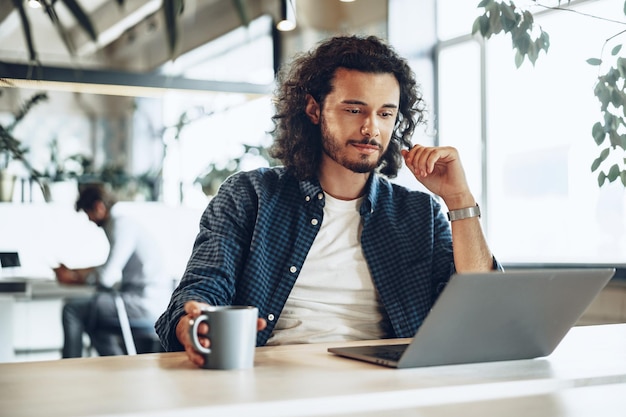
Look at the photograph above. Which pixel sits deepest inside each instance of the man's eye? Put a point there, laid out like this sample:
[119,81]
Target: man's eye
[354,111]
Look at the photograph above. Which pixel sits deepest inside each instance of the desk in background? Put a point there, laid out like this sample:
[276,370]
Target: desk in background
[72,239]
[30,317]
[585,376]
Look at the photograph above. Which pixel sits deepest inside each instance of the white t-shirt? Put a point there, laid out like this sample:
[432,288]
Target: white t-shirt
[334,298]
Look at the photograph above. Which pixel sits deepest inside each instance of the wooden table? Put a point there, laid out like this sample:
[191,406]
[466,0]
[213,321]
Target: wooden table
[585,376]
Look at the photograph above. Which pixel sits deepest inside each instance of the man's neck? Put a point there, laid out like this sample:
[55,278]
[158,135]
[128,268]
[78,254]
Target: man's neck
[340,182]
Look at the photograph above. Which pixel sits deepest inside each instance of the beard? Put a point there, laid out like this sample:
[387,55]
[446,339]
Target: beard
[336,151]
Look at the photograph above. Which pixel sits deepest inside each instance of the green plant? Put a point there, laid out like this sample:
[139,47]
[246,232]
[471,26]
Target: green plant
[10,147]
[215,174]
[610,87]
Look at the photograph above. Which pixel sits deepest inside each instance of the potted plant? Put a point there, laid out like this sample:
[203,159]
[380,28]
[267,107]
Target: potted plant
[214,175]
[11,149]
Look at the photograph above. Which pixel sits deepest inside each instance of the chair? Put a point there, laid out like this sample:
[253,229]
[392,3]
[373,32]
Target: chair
[137,335]
[136,332]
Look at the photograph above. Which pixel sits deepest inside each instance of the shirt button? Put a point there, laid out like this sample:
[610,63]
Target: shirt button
[320,196]
[314,222]
[270,317]
[307,198]
[293,269]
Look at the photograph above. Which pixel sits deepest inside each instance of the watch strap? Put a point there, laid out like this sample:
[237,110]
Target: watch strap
[464,213]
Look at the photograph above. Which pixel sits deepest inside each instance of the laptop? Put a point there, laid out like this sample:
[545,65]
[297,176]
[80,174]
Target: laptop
[10,264]
[494,316]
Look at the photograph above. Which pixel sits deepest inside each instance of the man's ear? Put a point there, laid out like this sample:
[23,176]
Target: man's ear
[100,208]
[312,109]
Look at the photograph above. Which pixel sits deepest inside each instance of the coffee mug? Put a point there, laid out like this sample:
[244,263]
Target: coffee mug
[232,335]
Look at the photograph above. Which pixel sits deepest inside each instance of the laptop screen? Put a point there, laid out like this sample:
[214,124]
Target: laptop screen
[9,259]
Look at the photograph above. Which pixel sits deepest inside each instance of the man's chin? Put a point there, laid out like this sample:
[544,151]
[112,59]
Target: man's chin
[361,168]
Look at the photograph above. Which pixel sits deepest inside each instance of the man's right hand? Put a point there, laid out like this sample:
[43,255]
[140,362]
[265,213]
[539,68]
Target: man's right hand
[193,309]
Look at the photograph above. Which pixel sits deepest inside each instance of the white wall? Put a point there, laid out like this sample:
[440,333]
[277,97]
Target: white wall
[48,234]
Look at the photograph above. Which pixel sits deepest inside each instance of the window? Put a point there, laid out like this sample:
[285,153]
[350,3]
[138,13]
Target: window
[542,201]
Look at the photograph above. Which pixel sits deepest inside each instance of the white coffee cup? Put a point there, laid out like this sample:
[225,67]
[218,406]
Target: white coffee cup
[232,335]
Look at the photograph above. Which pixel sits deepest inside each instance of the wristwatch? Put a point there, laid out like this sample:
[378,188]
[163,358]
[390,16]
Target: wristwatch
[464,213]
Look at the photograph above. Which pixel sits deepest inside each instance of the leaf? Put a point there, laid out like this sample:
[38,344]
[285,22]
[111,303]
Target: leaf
[614,173]
[598,161]
[519,59]
[601,178]
[528,18]
[533,52]
[621,66]
[545,38]
[598,133]
[616,98]
[476,26]
[603,94]
[615,139]
[485,3]
[481,24]
[507,11]
[494,22]
[616,50]
[594,61]
[507,24]
[611,77]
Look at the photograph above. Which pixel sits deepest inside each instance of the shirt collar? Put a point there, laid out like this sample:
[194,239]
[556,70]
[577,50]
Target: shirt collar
[312,191]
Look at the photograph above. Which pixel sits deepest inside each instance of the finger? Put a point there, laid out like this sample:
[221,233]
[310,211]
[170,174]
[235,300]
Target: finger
[194,308]
[261,324]
[193,355]
[415,160]
[203,329]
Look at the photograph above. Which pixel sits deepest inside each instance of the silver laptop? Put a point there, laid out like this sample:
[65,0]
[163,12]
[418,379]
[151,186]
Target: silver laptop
[494,316]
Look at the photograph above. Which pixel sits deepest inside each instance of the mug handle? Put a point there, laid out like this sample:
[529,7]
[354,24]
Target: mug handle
[193,333]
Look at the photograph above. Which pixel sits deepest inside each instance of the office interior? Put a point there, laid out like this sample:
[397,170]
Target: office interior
[168,131]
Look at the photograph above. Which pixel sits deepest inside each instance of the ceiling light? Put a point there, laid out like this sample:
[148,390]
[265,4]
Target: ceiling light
[34,4]
[287,20]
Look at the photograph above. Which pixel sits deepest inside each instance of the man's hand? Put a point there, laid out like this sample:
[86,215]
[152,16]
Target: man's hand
[439,169]
[66,275]
[193,309]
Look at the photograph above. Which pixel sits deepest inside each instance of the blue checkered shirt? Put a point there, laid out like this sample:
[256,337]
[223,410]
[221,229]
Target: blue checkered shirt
[256,232]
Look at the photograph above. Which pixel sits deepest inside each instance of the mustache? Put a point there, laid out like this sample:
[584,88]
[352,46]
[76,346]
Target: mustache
[369,142]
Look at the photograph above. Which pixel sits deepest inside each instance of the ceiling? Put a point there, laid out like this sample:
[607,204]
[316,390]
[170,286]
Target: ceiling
[132,37]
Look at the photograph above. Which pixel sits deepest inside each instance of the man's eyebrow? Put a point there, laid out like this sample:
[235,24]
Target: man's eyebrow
[362,103]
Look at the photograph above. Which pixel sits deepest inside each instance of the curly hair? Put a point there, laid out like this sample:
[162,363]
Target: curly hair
[90,193]
[297,141]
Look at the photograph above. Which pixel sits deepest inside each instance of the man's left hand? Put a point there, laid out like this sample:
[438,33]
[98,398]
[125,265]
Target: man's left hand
[439,169]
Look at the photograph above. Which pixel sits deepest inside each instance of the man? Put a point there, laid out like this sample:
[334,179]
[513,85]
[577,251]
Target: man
[325,247]
[134,268]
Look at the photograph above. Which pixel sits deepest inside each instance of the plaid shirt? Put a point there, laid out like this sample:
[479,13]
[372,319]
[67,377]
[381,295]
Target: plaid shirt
[256,232]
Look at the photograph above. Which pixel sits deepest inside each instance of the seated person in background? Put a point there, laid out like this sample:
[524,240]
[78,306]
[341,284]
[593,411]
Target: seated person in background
[325,246]
[134,268]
